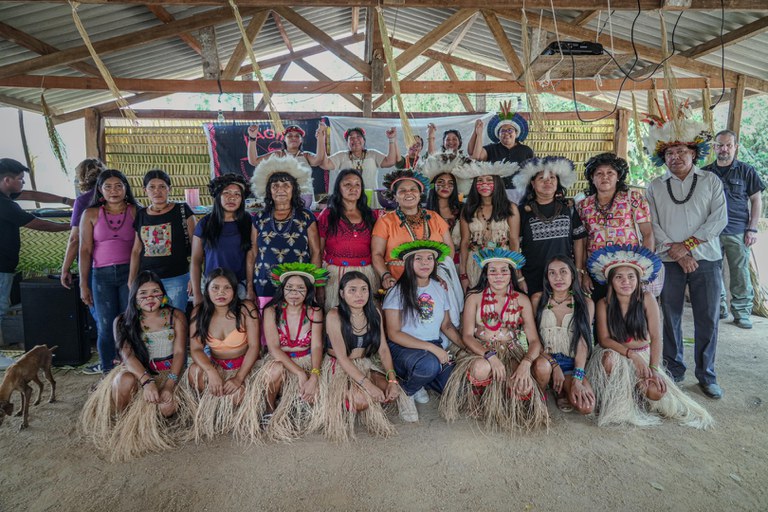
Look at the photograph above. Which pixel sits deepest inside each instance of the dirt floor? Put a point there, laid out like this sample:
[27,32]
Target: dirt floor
[427,466]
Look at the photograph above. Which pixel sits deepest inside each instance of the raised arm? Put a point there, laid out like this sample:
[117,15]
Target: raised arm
[394,152]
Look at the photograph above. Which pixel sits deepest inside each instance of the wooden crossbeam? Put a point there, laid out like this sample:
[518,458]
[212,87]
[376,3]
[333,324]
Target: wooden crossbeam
[24,105]
[453,77]
[413,75]
[585,17]
[40,47]
[281,30]
[325,40]
[572,5]
[236,59]
[506,48]
[279,74]
[645,52]
[163,15]
[346,87]
[458,61]
[107,106]
[316,73]
[433,36]
[733,37]
[114,44]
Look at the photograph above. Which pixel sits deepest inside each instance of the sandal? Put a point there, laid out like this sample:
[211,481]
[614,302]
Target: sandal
[564,404]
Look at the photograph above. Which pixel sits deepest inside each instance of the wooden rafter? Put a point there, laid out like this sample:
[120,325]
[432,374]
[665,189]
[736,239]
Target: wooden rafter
[645,52]
[506,48]
[325,40]
[434,35]
[733,37]
[453,77]
[236,59]
[355,26]
[163,15]
[461,35]
[107,106]
[40,47]
[24,105]
[584,17]
[331,87]
[573,5]
[279,74]
[458,61]
[316,73]
[283,33]
[114,44]
[413,75]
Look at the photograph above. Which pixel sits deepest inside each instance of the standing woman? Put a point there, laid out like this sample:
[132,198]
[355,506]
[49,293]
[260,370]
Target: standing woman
[286,232]
[417,312]
[452,142]
[413,157]
[549,223]
[345,227]
[630,384]
[489,217]
[564,318]
[492,380]
[357,384]
[611,213]
[293,139]
[225,238]
[106,242]
[293,327]
[163,243]
[87,173]
[129,414]
[220,382]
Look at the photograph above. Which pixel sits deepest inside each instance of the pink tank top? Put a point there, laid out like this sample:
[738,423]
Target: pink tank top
[113,237]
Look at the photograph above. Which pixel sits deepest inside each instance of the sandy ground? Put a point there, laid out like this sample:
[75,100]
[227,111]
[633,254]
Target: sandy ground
[427,466]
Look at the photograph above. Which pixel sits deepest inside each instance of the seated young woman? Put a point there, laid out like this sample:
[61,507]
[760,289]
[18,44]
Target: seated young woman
[138,407]
[492,380]
[564,317]
[417,310]
[630,385]
[229,328]
[290,389]
[358,371]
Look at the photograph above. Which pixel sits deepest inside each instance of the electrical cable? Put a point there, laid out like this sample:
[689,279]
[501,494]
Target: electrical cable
[722,55]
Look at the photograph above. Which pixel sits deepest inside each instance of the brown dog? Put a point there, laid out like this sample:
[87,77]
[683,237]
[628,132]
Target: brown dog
[17,378]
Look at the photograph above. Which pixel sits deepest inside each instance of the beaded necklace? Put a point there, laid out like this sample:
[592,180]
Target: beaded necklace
[116,225]
[285,224]
[411,221]
[488,312]
[165,315]
[690,192]
[357,163]
[559,302]
[546,220]
[302,318]
[604,212]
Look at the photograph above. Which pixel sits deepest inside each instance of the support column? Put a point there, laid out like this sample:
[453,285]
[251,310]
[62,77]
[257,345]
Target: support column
[480,105]
[736,105]
[94,140]
[621,134]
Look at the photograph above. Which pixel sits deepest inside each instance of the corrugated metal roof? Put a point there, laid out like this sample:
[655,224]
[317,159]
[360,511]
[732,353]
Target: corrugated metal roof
[172,58]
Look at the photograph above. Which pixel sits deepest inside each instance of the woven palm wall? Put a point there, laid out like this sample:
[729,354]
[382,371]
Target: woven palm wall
[179,148]
[42,252]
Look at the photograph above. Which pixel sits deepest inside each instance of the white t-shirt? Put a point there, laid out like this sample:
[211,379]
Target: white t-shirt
[433,303]
[370,167]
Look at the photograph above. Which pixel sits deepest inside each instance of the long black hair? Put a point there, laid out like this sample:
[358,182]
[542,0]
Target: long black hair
[372,338]
[616,162]
[128,327]
[632,325]
[458,136]
[502,207]
[433,201]
[581,327]
[336,203]
[297,203]
[204,313]
[278,300]
[482,281]
[409,288]
[157,174]
[98,197]
[214,221]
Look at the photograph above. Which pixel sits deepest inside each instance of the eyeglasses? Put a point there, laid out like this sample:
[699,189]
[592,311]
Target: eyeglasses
[507,130]
[115,187]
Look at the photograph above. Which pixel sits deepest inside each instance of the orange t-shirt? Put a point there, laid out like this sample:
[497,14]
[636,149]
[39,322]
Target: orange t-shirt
[388,227]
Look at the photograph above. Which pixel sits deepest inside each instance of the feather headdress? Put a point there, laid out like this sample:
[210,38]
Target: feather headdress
[641,258]
[275,164]
[557,165]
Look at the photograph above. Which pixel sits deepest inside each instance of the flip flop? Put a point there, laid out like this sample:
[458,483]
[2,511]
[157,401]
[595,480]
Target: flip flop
[564,404]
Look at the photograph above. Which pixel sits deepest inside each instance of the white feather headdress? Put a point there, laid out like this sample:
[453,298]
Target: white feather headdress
[441,163]
[275,164]
[466,173]
[557,165]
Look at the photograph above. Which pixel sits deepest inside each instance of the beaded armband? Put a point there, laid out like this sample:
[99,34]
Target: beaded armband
[691,243]
[578,373]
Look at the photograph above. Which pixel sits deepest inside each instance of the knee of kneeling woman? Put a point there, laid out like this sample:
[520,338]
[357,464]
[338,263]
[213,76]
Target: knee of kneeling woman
[481,369]
[428,367]
[125,383]
[541,368]
[168,409]
[654,393]
[608,362]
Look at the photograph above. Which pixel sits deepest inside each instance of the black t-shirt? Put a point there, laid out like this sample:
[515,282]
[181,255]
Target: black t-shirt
[166,244]
[541,240]
[12,217]
[499,153]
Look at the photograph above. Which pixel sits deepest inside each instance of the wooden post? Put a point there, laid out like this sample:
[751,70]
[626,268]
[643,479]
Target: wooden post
[736,105]
[210,55]
[480,98]
[248,102]
[93,143]
[621,134]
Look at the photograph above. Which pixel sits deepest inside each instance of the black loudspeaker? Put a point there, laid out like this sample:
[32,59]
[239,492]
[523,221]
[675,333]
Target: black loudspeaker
[54,315]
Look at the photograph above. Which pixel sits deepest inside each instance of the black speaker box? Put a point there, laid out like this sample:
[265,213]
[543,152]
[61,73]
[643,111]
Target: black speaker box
[54,315]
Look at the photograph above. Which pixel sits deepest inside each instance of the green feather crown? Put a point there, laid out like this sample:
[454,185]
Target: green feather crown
[317,276]
[439,249]
[491,253]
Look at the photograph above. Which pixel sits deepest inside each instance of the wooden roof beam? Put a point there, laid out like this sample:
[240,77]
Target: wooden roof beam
[645,52]
[283,33]
[107,107]
[24,105]
[163,15]
[506,48]
[585,17]
[325,41]
[733,37]
[453,77]
[41,47]
[312,70]
[114,44]
[252,30]
[458,61]
[279,74]
[432,37]
[413,75]
[345,87]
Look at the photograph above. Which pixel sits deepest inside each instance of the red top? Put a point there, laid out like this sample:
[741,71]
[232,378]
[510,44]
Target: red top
[350,245]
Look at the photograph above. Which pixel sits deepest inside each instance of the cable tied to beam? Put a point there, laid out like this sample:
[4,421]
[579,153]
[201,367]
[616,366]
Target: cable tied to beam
[274,116]
[121,102]
[392,67]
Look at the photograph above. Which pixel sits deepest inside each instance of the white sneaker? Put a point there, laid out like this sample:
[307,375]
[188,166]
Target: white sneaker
[421,396]
[407,406]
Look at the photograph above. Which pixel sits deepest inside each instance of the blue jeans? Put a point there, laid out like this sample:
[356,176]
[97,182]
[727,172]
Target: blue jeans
[6,282]
[742,295]
[704,285]
[176,289]
[419,368]
[110,298]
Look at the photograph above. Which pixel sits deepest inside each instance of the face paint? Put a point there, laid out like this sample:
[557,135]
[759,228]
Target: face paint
[485,188]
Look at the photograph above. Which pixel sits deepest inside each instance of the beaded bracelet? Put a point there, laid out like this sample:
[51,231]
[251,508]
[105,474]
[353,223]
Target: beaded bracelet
[392,372]
[315,371]
[553,362]
[653,367]
[489,354]
[578,373]
[392,381]
[691,243]
[172,376]
[147,382]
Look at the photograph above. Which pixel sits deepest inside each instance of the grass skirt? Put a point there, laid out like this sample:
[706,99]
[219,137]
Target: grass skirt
[619,401]
[335,273]
[140,428]
[216,415]
[495,405]
[292,417]
[338,421]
